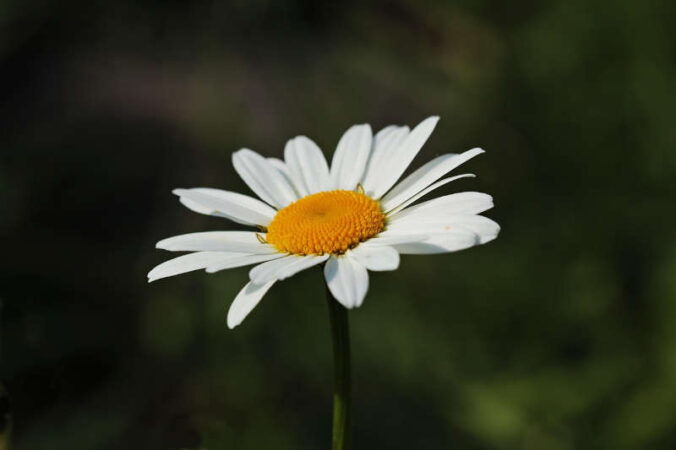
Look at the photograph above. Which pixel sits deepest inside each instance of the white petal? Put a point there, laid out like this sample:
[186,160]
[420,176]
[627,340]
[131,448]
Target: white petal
[200,209]
[280,166]
[384,143]
[426,191]
[484,228]
[231,205]
[399,158]
[385,133]
[463,203]
[375,257]
[388,238]
[219,241]
[282,268]
[187,263]
[424,176]
[242,260]
[307,165]
[439,243]
[347,280]
[246,301]
[349,160]
[263,178]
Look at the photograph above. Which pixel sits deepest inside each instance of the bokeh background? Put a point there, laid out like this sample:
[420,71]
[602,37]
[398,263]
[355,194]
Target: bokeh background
[561,334]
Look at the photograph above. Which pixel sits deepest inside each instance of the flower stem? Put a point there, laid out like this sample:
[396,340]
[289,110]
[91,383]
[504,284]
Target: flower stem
[341,374]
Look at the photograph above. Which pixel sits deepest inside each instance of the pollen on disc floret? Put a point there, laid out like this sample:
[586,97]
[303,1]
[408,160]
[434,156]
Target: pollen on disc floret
[326,222]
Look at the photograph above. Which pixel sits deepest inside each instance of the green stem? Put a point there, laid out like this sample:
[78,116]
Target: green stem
[341,374]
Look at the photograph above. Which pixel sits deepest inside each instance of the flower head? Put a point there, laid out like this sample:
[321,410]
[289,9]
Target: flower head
[351,216]
[329,222]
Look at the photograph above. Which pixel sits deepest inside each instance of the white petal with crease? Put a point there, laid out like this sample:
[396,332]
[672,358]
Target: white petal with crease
[347,280]
[282,268]
[400,157]
[349,160]
[375,257]
[439,243]
[385,142]
[484,228]
[388,238]
[426,191]
[424,176]
[187,263]
[220,241]
[307,165]
[263,178]
[243,260]
[280,166]
[246,301]
[236,207]
[458,203]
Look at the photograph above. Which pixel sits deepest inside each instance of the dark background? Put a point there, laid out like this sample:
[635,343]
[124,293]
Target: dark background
[558,335]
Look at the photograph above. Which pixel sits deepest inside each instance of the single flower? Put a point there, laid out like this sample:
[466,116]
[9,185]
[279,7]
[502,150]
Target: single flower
[351,216]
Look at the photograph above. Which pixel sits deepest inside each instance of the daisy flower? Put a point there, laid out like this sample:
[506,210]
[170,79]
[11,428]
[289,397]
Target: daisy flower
[351,217]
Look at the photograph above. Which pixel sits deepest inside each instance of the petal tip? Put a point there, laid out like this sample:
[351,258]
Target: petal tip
[241,152]
[153,276]
[365,127]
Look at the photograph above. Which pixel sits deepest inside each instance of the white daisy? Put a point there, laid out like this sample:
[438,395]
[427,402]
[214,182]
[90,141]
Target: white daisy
[350,217]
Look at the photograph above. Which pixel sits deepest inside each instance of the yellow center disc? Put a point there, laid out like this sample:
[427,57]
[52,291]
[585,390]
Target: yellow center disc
[326,222]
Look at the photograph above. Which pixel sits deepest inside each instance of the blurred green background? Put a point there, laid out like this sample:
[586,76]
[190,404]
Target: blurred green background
[561,334]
